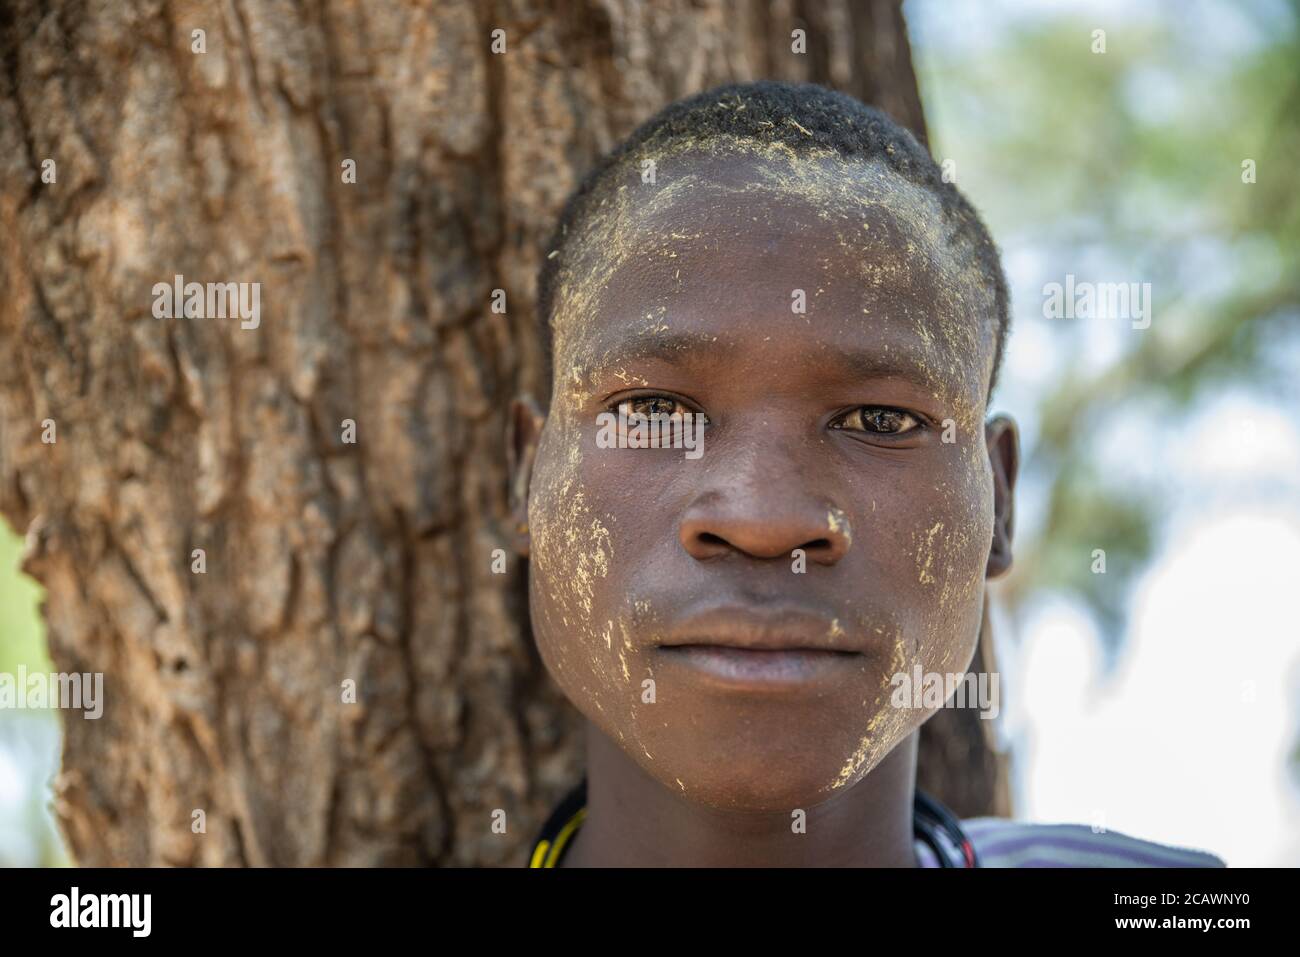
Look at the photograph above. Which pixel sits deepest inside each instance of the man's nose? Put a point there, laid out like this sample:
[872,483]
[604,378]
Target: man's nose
[765,511]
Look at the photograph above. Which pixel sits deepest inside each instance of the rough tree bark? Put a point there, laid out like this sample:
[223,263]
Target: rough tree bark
[325,561]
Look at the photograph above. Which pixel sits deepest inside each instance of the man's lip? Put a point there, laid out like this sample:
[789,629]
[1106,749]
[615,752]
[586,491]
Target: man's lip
[761,629]
[761,670]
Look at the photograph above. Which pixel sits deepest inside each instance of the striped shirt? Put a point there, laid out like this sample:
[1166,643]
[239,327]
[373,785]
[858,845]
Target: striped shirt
[1000,842]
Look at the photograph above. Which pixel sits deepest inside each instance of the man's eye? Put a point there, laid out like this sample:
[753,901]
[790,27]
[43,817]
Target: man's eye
[656,421]
[881,420]
[651,405]
[648,405]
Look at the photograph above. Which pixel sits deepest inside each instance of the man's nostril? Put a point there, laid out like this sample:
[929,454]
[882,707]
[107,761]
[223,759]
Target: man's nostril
[760,536]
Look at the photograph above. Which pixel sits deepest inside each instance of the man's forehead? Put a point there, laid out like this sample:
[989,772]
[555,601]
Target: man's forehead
[702,197]
[830,186]
[649,234]
[856,239]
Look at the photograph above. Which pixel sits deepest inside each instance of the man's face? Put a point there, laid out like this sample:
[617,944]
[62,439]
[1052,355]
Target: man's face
[735,620]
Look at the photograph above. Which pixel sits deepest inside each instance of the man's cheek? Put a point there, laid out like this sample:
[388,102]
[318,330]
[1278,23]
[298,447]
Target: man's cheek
[948,548]
[572,550]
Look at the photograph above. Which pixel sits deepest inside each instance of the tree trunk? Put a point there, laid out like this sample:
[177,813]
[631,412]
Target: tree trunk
[325,562]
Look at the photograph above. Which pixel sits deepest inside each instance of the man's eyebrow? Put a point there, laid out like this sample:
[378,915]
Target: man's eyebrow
[870,364]
[675,346]
[682,346]
[669,345]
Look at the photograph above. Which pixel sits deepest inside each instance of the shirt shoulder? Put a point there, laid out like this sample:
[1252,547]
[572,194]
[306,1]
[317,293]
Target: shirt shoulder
[1000,842]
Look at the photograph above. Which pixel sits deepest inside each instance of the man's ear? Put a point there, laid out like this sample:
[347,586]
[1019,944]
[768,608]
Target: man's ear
[523,431]
[1003,440]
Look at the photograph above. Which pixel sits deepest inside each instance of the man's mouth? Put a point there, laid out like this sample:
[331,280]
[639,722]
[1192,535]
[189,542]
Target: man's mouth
[761,648]
[761,628]
[765,668]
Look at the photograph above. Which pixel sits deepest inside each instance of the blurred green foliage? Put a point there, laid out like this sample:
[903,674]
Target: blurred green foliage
[1127,166]
[22,636]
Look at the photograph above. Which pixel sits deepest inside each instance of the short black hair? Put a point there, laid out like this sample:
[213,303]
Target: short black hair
[805,117]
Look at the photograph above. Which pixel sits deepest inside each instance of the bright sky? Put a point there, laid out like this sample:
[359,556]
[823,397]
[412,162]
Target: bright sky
[1186,741]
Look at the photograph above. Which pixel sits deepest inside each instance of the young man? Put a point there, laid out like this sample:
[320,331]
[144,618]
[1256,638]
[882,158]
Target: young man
[728,601]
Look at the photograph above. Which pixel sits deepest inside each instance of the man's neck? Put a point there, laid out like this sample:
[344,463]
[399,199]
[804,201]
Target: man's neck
[635,821]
